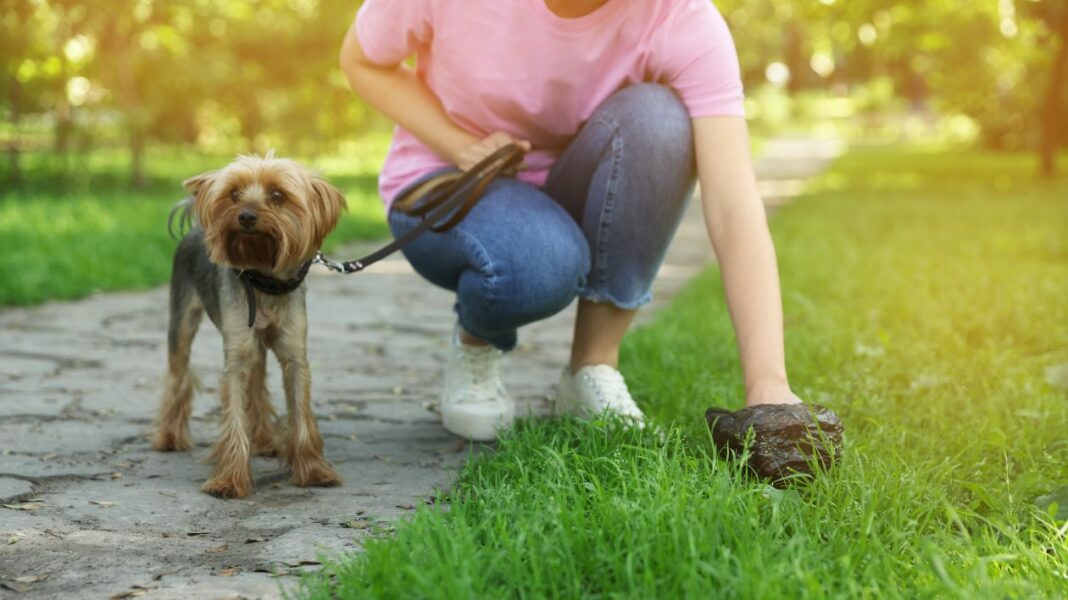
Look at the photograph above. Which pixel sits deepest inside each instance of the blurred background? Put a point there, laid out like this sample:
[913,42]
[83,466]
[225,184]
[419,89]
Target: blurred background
[105,106]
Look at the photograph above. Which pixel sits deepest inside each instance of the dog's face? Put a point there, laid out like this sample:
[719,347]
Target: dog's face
[266,214]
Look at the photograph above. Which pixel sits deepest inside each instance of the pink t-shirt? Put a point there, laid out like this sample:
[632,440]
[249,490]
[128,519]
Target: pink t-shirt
[515,66]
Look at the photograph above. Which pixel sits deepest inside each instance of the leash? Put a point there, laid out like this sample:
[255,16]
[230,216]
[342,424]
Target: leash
[455,197]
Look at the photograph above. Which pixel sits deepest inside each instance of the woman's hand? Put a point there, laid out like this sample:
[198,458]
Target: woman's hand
[473,153]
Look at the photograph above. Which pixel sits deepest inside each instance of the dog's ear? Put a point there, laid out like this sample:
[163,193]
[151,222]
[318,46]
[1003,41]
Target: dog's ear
[199,184]
[326,205]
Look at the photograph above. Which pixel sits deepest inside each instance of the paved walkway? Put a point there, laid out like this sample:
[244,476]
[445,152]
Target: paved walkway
[91,511]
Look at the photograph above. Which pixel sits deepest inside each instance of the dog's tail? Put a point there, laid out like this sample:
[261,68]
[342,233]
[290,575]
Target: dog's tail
[183,214]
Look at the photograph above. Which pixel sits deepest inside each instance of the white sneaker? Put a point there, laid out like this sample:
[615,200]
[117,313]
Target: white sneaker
[594,390]
[475,404]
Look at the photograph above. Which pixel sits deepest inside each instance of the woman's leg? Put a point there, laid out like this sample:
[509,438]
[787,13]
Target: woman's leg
[516,258]
[626,178]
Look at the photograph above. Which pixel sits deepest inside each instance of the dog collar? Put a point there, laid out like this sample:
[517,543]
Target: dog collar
[268,285]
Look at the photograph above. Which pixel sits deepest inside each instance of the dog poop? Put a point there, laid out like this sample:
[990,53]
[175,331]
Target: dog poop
[787,437]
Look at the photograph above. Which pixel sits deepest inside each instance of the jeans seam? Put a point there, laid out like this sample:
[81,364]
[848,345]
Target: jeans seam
[604,224]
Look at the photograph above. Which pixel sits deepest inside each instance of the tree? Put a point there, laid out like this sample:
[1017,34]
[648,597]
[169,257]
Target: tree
[1055,15]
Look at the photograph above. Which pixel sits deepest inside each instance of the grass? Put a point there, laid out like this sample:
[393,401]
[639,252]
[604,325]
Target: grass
[66,237]
[925,295]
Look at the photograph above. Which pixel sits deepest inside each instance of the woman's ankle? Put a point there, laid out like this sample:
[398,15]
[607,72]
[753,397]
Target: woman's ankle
[469,340]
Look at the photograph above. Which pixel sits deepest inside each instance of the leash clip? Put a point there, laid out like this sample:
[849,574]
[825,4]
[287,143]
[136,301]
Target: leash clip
[329,264]
[338,267]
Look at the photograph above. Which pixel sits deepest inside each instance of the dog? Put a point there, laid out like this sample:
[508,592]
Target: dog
[256,224]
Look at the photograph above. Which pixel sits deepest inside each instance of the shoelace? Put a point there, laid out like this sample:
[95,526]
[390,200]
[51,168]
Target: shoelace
[481,368]
[611,390]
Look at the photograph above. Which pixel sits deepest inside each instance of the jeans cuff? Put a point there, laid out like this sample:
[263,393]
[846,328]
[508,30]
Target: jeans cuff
[505,342]
[608,297]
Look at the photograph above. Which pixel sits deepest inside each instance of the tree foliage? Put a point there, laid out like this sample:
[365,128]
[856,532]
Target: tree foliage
[240,74]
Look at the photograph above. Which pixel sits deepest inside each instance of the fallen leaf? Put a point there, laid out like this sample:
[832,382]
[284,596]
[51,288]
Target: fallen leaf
[159,576]
[14,538]
[218,549]
[255,540]
[31,578]
[116,475]
[18,589]
[228,572]
[49,456]
[122,465]
[104,503]
[355,524]
[129,594]
[31,506]
[458,447]
[405,507]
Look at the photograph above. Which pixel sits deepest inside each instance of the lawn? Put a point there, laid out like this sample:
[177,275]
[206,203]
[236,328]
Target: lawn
[65,236]
[926,297]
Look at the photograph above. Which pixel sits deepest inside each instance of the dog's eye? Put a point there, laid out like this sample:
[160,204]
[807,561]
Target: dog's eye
[235,194]
[278,196]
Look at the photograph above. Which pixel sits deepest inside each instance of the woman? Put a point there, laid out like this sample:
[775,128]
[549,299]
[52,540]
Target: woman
[619,105]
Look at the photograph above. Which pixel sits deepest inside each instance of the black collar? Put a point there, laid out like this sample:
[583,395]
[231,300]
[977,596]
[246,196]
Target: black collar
[268,285]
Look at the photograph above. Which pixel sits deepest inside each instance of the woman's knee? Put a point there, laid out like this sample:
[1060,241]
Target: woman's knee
[538,280]
[652,120]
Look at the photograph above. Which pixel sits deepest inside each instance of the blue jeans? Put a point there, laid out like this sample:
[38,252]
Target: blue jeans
[598,229]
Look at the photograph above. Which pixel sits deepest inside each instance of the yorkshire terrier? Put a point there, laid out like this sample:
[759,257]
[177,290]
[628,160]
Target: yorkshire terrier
[257,224]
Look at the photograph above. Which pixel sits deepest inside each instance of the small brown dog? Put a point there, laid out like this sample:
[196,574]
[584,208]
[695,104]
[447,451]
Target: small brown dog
[258,224]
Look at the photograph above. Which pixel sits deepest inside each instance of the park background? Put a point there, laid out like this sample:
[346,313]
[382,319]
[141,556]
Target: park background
[925,281]
[107,105]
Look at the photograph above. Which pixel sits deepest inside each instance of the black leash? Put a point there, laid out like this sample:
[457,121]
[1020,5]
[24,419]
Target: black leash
[455,197]
[458,195]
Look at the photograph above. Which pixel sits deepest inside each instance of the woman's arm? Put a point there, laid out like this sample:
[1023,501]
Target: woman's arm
[737,226]
[396,92]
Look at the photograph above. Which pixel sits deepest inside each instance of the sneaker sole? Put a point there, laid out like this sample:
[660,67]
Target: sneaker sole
[476,428]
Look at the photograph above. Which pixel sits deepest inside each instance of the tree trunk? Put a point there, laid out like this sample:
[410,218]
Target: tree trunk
[1051,114]
[793,49]
[15,174]
[137,153]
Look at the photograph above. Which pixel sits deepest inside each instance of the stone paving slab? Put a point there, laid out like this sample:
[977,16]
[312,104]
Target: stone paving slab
[93,512]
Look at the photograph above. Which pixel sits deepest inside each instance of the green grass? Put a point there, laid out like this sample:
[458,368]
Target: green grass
[65,237]
[925,295]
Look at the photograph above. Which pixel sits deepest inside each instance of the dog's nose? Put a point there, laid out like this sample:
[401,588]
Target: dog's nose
[247,218]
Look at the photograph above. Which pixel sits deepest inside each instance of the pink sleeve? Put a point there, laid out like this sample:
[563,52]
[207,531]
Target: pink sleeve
[695,55]
[390,31]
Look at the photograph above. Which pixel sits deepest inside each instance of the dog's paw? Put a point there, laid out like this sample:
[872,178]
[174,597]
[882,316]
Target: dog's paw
[171,441]
[228,487]
[317,473]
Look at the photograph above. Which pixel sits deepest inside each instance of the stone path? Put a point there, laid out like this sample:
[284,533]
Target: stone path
[90,511]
